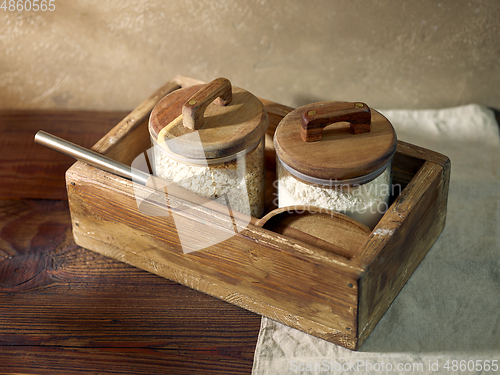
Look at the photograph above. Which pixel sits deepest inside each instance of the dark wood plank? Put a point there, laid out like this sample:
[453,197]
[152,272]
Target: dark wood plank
[68,310]
[29,170]
[147,361]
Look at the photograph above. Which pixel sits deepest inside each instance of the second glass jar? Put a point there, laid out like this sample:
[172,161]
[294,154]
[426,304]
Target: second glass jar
[209,139]
[344,168]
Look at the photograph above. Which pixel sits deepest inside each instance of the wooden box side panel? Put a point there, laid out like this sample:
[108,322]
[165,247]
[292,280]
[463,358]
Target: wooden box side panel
[130,137]
[313,295]
[400,241]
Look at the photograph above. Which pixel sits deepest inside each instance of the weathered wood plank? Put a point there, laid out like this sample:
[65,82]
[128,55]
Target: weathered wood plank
[124,133]
[69,310]
[128,360]
[29,170]
[395,249]
[273,278]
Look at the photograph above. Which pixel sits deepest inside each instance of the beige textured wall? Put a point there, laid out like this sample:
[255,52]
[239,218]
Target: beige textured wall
[111,55]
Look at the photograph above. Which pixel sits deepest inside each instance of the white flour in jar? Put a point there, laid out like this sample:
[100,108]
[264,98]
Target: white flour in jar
[366,203]
[239,184]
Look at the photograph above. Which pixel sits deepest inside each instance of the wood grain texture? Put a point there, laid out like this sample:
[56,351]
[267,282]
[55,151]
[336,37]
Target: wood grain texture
[226,129]
[129,126]
[33,171]
[300,285]
[317,117]
[395,249]
[325,229]
[293,282]
[340,154]
[232,270]
[193,111]
[69,310]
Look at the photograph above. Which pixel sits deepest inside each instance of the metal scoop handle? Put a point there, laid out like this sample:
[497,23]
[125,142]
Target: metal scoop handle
[91,157]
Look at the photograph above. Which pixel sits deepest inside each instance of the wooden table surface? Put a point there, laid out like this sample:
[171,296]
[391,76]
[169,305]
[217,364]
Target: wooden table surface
[65,309]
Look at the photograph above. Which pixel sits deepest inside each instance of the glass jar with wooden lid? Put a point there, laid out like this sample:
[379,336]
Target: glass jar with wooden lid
[209,139]
[336,156]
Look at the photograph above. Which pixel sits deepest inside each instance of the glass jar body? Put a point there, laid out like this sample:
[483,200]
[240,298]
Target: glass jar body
[364,199]
[238,181]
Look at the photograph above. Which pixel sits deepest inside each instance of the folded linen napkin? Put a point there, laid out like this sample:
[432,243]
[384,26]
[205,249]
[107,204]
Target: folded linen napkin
[446,319]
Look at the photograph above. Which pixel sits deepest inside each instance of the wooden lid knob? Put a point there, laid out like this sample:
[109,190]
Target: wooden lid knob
[208,121]
[193,111]
[360,141]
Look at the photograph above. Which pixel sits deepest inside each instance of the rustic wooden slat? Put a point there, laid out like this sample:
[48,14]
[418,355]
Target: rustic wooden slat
[231,271]
[126,131]
[394,250]
[147,361]
[68,310]
[29,170]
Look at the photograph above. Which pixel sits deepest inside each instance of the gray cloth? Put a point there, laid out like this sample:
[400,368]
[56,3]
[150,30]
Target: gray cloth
[449,310]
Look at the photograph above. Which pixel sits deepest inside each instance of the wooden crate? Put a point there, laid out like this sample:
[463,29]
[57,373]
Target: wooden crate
[321,293]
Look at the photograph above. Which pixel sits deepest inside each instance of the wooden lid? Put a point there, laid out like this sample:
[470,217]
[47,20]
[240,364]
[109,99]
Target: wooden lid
[197,127]
[326,229]
[360,143]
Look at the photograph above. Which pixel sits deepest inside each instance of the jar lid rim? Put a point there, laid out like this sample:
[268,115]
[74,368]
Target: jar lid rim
[360,180]
[163,147]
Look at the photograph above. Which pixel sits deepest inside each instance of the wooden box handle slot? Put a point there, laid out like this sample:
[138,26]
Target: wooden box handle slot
[358,115]
[194,109]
